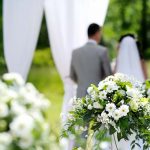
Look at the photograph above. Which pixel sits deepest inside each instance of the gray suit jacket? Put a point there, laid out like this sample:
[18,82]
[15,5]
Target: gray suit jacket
[89,65]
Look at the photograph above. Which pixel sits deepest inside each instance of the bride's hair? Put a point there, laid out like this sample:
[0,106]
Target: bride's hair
[127,35]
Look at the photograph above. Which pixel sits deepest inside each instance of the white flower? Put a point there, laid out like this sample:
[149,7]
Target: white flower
[96,105]
[37,115]
[110,107]
[104,115]
[147,110]
[112,86]
[134,105]
[99,118]
[5,138]
[148,93]
[3,147]
[80,148]
[103,95]
[26,142]
[104,145]
[121,77]
[101,85]
[4,111]
[14,77]
[90,107]
[90,90]
[17,108]
[22,125]
[116,114]
[122,92]
[103,118]
[124,109]
[133,92]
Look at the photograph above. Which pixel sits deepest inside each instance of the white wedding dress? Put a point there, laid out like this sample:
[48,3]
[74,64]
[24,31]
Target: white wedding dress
[128,62]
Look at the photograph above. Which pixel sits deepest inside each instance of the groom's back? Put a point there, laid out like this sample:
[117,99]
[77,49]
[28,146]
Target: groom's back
[87,66]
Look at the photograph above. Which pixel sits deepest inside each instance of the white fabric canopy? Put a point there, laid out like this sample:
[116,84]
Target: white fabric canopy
[22,21]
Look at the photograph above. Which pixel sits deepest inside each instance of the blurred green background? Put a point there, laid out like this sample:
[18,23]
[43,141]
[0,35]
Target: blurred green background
[123,16]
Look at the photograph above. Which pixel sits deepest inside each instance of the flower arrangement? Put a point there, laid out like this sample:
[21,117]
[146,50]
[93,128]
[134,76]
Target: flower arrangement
[119,105]
[22,115]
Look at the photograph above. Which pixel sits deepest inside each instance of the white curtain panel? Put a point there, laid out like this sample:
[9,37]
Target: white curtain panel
[67,22]
[96,11]
[22,21]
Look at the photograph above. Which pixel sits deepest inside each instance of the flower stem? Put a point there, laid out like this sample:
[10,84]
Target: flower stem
[115,142]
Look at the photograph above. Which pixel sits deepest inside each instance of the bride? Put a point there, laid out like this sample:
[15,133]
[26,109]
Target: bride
[129,60]
[130,63]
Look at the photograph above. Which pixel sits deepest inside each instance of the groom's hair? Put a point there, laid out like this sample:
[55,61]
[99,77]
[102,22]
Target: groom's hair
[93,29]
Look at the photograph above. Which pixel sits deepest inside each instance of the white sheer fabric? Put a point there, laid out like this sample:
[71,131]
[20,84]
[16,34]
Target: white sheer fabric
[128,61]
[22,20]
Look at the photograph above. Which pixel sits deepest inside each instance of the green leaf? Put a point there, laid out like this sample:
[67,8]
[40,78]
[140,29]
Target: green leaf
[112,130]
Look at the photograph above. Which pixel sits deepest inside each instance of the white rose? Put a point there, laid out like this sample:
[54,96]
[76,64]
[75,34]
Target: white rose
[17,108]
[26,142]
[4,110]
[134,105]
[103,95]
[96,105]
[90,90]
[101,85]
[22,125]
[124,109]
[112,86]
[90,107]
[110,107]
[37,116]
[134,93]
[116,114]
[5,138]
[14,77]
[3,147]
[103,118]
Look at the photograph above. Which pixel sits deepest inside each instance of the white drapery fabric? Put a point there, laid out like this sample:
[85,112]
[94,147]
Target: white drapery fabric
[22,21]
[128,60]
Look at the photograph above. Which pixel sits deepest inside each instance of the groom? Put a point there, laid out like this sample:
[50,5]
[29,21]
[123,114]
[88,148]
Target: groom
[90,63]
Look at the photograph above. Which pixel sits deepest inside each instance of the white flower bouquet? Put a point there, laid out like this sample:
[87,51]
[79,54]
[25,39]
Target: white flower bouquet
[118,106]
[22,115]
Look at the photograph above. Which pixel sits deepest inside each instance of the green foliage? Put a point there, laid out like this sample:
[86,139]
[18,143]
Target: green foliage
[126,16]
[43,58]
